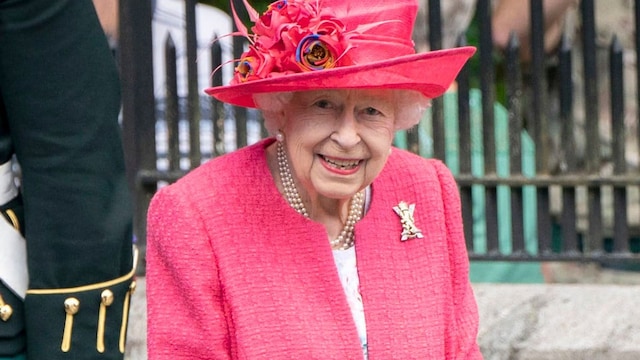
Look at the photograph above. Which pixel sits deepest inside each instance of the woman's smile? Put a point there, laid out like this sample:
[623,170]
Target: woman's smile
[340,166]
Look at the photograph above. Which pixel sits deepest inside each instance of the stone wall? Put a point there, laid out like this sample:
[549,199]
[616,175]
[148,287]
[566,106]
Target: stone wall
[559,321]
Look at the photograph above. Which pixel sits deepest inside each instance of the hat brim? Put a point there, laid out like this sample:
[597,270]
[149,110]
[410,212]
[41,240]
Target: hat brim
[430,73]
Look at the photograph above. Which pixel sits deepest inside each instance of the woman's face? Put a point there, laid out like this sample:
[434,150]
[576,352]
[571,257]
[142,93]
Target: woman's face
[338,140]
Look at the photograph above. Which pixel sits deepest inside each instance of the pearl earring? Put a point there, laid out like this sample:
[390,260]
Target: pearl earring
[279,136]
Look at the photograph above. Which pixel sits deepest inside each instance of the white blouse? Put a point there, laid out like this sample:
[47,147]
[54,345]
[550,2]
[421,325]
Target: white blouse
[348,271]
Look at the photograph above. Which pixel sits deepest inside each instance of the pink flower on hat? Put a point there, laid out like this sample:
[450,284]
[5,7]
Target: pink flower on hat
[292,36]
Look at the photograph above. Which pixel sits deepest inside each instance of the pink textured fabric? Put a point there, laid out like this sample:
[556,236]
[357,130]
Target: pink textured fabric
[233,272]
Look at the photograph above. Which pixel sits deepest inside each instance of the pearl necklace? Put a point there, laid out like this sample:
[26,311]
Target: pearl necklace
[346,239]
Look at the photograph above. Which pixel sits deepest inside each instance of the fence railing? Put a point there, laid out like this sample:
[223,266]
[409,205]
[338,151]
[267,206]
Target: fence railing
[524,196]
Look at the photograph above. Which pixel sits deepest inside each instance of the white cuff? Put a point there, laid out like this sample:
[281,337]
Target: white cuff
[8,188]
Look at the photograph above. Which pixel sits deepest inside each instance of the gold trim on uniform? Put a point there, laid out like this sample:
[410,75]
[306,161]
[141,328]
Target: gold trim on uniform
[71,307]
[125,316]
[95,286]
[106,299]
[5,310]
[14,219]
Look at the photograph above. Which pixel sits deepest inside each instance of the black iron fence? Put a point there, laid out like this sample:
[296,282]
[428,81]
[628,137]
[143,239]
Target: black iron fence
[527,151]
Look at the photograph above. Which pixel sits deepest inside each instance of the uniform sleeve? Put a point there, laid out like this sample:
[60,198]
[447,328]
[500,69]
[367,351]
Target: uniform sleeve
[59,108]
[186,313]
[464,331]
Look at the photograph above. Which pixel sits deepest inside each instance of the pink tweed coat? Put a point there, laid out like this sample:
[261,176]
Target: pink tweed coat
[233,272]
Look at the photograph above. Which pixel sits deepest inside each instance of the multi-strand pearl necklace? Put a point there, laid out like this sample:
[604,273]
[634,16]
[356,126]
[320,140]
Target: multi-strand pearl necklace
[346,239]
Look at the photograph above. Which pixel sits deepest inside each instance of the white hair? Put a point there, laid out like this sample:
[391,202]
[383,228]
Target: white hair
[410,106]
[272,105]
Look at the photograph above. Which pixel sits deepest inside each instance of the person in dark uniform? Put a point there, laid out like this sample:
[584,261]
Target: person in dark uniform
[59,105]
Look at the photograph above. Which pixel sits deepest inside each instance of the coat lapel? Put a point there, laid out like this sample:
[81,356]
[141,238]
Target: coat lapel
[403,283]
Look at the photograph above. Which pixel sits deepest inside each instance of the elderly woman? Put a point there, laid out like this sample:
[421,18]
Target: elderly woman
[322,242]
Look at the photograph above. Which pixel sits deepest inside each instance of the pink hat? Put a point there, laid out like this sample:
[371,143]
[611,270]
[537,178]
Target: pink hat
[299,45]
